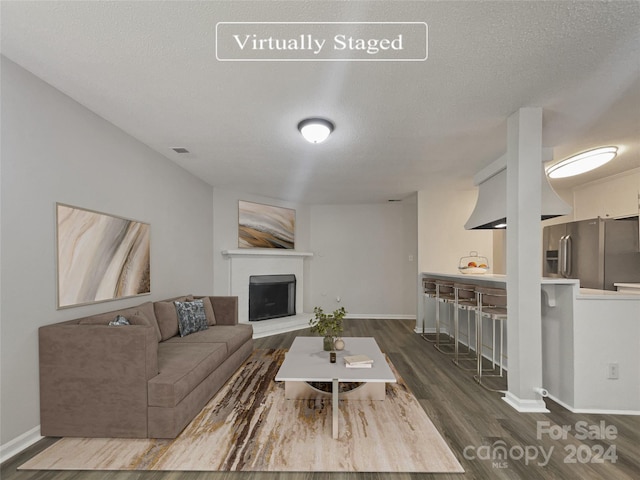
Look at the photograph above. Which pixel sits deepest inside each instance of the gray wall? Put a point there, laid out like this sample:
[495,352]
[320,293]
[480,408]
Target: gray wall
[367,256]
[55,150]
[361,252]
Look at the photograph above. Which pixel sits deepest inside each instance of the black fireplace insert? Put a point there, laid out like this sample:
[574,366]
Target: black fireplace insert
[271,296]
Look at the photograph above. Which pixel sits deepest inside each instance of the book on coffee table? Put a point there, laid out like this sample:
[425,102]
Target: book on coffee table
[358,365]
[358,361]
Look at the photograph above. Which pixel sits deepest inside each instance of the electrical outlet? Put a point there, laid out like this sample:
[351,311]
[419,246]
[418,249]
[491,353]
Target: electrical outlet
[613,371]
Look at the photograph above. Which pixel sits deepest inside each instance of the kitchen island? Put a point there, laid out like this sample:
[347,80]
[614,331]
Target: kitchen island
[588,336]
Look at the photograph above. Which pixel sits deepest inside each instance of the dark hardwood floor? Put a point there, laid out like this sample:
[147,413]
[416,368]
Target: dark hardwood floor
[470,418]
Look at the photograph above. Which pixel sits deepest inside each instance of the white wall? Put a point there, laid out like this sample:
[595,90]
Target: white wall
[443,209]
[595,348]
[362,255]
[55,150]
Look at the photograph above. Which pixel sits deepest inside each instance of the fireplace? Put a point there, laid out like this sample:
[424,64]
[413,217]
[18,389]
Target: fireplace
[244,263]
[271,296]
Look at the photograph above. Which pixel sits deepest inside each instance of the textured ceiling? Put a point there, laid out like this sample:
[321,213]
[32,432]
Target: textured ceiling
[150,68]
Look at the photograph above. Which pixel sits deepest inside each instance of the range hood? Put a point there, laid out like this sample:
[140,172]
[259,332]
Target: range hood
[490,211]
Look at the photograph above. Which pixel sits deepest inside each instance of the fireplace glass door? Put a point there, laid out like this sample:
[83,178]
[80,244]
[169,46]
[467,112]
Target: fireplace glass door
[271,296]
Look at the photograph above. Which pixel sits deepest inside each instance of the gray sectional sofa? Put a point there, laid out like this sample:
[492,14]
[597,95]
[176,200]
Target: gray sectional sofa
[140,379]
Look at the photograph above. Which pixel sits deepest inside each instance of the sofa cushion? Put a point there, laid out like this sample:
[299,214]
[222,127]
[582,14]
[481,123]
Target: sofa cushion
[145,309]
[191,317]
[233,336]
[182,368]
[167,317]
[208,311]
[116,318]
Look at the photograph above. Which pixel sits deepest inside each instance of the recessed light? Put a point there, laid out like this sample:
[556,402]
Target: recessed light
[583,162]
[180,150]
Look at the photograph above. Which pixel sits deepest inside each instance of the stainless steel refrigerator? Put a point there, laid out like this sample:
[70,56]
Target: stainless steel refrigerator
[599,252]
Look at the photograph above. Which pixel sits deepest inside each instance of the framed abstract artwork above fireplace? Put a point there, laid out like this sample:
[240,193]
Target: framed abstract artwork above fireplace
[100,257]
[265,226]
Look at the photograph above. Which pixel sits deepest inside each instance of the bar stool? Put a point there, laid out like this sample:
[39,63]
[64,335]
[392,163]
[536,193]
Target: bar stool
[465,300]
[429,291]
[444,294]
[492,304]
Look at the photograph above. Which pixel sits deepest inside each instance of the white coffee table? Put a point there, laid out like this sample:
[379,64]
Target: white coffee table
[306,361]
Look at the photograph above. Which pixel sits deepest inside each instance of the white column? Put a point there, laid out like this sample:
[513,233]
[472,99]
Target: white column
[524,255]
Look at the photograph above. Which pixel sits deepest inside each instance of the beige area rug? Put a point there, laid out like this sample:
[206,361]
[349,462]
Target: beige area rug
[250,426]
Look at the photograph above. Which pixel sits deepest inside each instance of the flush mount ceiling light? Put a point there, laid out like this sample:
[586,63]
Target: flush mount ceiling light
[583,162]
[315,130]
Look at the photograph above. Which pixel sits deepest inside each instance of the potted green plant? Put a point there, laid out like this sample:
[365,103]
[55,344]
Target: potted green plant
[329,325]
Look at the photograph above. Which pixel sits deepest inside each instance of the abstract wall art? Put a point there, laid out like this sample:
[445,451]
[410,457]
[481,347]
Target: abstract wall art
[100,257]
[265,226]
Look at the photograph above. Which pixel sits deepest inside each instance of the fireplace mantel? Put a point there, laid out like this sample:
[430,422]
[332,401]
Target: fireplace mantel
[265,252]
[245,262]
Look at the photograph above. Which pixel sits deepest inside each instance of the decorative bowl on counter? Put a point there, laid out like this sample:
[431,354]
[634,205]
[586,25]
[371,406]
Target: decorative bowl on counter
[473,264]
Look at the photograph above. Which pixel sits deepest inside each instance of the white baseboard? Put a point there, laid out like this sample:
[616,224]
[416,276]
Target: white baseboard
[524,405]
[18,444]
[596,411]
[375,316]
